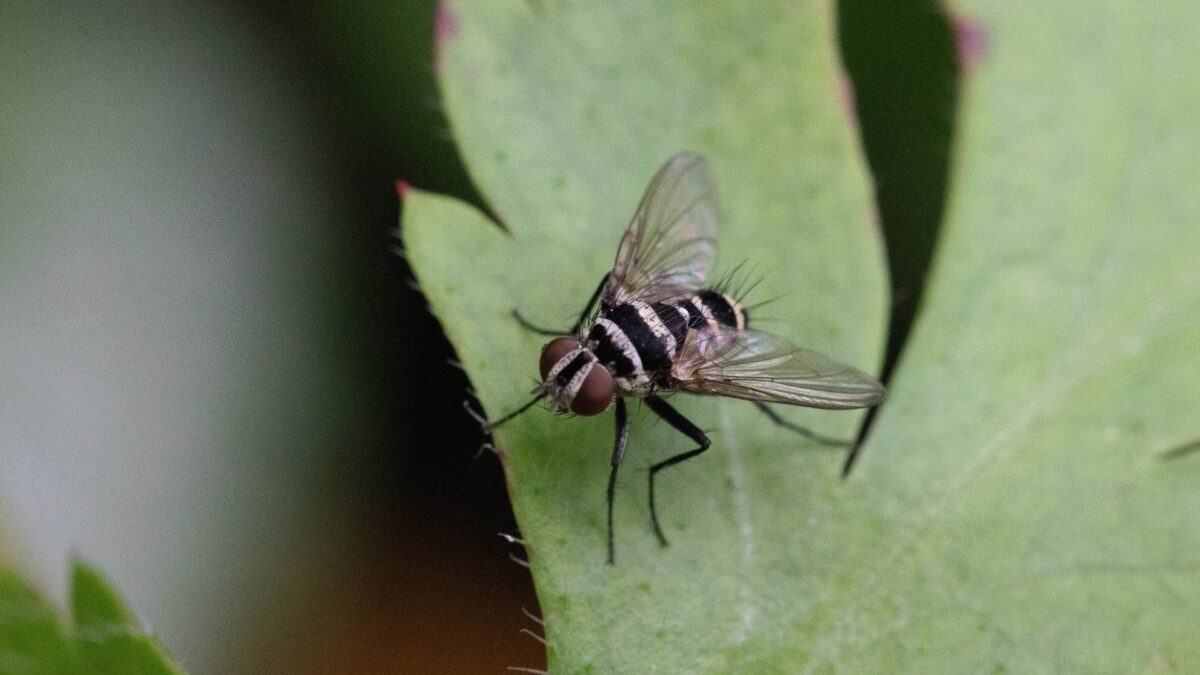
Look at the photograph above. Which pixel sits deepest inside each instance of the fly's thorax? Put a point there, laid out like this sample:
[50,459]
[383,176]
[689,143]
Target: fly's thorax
[574,378]
[616,347]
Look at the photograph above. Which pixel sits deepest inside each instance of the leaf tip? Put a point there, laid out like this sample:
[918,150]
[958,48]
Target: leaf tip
[93,600]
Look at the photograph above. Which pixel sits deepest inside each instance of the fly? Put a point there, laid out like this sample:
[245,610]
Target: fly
[659,329]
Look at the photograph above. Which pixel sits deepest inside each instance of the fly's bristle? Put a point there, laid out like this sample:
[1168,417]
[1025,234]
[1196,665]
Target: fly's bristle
[758,320]
[740,282]
[726,282]
[748,285]
[763,303]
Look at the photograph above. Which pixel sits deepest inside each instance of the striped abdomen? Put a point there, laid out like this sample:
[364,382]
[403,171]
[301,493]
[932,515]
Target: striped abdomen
[638,341]
[714,312]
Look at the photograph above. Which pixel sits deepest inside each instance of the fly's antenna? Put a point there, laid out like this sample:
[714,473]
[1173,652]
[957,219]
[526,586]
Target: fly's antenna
[488,425]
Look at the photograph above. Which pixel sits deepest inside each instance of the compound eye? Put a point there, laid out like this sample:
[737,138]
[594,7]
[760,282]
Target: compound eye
[595,394]
[553,352]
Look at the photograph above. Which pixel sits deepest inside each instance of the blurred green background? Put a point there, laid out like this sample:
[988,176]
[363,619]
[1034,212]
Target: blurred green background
[215,382]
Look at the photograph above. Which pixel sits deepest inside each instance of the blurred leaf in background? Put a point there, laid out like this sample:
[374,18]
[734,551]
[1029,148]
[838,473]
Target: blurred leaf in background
[102,636]
[171,365]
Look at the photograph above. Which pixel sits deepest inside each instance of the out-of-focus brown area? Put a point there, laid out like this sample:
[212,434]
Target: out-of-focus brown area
[429,606]
[432,588]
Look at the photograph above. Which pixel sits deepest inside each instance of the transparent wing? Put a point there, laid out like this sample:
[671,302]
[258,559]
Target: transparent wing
[759,366]
[669,246]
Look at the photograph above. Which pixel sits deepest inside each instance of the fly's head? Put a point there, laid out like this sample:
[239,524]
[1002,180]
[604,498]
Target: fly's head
[574,378]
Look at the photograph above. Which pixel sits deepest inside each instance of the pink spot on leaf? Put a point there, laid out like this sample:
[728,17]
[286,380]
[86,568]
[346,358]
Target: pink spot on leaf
[445,28]
[971,40]
[402,188]
[846,93]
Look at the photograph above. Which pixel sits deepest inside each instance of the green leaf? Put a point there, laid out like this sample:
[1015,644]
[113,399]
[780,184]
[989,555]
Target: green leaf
[107,638]
[1025,516]
[110,638]
[563,112]
[1017,507]
[31,638]
[94,603]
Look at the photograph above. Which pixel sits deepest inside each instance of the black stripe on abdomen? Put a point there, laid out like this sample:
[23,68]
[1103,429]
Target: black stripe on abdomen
[651,348]
[720,308]
[696,319]
[672,319]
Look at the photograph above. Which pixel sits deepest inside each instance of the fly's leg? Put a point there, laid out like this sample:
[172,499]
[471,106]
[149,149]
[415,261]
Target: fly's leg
[687,428]
[811,435]
[583,316]
[532,328]
[488,425]
[622,436]
[1181,450]
[855,448]
[591,304]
